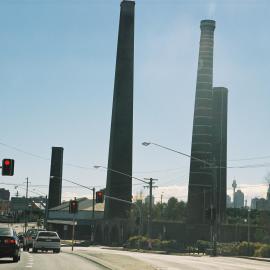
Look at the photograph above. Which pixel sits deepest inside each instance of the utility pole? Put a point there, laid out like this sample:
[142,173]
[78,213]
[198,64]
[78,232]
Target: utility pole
[248,232]
[93,215]
[26,206]
[93,204]
[46,213]
[234,185]
[150,186]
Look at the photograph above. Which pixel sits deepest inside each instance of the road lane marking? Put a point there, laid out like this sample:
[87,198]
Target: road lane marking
[30,261]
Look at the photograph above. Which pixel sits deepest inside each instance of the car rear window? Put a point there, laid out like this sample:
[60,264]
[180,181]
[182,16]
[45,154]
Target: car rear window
[6,232]
[48,234]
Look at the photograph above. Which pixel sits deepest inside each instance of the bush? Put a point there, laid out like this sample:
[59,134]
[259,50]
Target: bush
[169,245]
[245,249]
[203,245]
[156,244]
[263,251]
[228,249]
[132,241]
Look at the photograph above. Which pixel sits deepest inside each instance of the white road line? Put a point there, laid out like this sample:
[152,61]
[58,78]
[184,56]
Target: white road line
[30,261]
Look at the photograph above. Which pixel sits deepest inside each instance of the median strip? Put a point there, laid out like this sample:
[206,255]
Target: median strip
[114,261]
[95,260]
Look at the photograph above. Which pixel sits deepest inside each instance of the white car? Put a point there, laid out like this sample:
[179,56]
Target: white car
[47,240]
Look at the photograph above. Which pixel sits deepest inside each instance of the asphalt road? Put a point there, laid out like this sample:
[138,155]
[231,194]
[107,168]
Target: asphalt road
[49,261]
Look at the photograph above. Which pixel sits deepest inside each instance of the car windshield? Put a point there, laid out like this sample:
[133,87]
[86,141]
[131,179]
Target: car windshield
[6,232]
[47,234]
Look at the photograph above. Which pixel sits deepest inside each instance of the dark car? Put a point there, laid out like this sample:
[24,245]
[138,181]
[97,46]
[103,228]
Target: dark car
[9,244]
[21,238]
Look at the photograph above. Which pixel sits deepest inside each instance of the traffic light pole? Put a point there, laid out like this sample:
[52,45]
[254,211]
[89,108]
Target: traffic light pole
[73,232]
[93,204]
[93,214]
[26,206]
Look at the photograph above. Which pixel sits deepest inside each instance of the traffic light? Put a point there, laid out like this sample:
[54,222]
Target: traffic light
[99,197]
[73,206]
[7,167]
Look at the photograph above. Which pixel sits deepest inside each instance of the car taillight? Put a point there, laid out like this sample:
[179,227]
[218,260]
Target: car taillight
[10,241]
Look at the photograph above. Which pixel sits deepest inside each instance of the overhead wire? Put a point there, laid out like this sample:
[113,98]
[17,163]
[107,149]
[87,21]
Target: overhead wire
[91,168]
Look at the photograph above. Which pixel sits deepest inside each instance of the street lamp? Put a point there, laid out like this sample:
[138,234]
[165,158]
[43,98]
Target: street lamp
[178,152]
[214,187]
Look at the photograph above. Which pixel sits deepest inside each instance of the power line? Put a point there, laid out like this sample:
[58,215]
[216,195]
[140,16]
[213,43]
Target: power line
[43,158]
[251,158]
[91,168]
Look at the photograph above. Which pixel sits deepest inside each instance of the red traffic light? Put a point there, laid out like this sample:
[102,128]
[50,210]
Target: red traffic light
[7,162]
[7,167]
[73,206]
[99,197]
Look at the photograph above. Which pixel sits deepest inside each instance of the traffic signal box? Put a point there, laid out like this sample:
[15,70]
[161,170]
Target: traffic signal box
[73,206]
[99,197]
[7,167]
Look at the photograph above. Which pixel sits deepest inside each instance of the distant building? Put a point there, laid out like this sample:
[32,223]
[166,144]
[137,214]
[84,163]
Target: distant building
[60,220]
[19,204]
[254,203]
[239,199]
[229,203]
[4,194]
[147,200]
[263,205]
[4,207]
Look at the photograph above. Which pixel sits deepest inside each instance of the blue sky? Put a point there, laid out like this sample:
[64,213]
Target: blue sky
[56,82]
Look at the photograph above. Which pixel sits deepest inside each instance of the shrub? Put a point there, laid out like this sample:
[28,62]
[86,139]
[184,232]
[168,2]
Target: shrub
[169,245]
[263,251]
[203,245]
[157,244]
[133,241]
[245,249]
